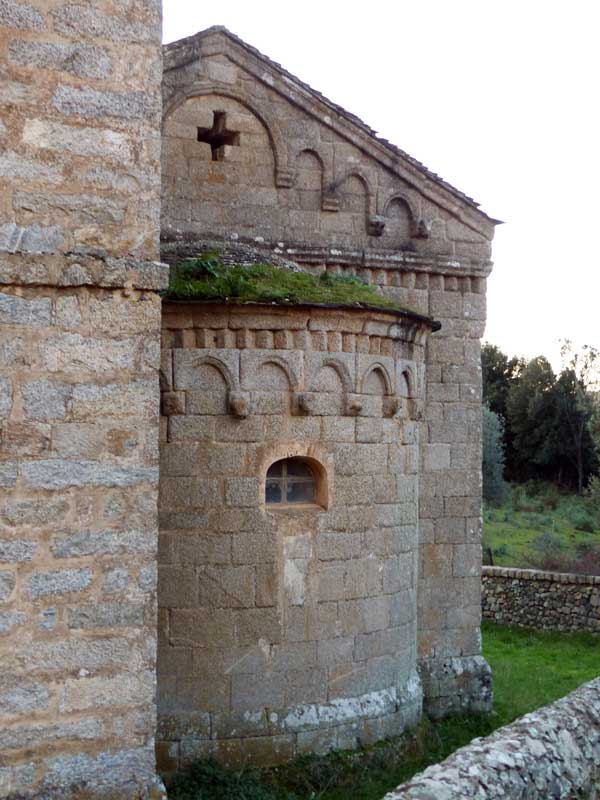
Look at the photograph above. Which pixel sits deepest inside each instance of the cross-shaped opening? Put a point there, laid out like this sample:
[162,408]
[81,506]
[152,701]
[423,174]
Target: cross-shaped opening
[218,135]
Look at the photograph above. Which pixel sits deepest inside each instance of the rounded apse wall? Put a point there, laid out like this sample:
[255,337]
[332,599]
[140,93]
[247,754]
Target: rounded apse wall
[288,516]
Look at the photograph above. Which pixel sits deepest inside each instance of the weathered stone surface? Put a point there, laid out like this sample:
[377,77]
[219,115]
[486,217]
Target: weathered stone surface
[552,752]
[5,397]
[17,738]
[8,475]
[109,542]
[16,550]
[272,594]
[22,311]
[79,22]
[91,103]
[106,615]
[113,775]
[79,358]
[30,238]
[34,513]
[83,60]
[541,600]
[20,15]
[10,620]
[45,400]
[23,698]
[233,592]
[83,693]
[8,582]
[85,209]
[59,582]
[60,474]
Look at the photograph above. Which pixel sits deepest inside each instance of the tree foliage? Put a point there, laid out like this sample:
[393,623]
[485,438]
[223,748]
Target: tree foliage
[551,423]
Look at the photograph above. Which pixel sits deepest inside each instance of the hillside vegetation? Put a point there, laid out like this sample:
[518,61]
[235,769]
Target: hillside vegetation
[541,461]
[541,528]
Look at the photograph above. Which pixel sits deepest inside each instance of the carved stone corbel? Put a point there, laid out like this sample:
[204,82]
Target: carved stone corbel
[239,404]
[375,225]
[422,228]
[329,202]
[285,178]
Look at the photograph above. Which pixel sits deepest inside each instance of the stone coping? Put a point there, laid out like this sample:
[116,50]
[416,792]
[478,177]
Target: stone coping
[539,575]
[240,306]
[553,752]
[71,269]
[304,253]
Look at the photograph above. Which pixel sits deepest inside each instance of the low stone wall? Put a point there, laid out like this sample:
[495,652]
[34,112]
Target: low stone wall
[542,600]
[550,753]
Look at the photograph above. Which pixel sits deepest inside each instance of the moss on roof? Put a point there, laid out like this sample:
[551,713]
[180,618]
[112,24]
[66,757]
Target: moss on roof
[207,278]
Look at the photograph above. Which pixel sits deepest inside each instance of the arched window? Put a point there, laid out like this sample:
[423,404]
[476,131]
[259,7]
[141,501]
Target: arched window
[291,481]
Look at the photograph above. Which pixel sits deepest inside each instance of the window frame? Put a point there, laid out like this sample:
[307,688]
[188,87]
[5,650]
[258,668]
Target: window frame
[315,480]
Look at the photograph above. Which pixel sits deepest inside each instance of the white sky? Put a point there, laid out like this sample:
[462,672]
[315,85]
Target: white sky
[499,97]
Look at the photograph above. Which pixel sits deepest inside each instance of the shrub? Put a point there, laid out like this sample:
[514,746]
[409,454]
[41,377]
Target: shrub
[206,780]
[592,497]
[582,522]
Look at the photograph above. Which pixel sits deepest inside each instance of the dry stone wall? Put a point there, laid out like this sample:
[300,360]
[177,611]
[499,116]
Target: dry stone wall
[287,630]
[79,357]
[551,753]
[542,600]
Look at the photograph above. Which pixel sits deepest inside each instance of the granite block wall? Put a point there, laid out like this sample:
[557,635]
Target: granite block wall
[252,154]
[287,629]
[79,413]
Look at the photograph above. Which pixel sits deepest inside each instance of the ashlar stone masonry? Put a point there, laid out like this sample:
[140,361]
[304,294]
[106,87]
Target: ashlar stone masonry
[280,631]
[79,397]
[251,154]
[287,628]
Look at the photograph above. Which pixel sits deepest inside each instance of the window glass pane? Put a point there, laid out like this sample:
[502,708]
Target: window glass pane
[299,468]
[273,491]
[275,470]
[303,492]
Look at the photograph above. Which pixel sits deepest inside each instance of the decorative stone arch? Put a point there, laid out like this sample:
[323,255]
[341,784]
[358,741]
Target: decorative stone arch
[369,192]
[326,173]
[407,378]
[231,381]
[293,379]
[342,371]
[284,175]
[382,370]
[410,206]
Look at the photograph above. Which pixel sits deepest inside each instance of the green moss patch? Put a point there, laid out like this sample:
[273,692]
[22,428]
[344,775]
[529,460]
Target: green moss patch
[207,278]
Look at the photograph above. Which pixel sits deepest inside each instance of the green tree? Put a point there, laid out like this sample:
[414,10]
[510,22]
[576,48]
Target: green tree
[577,412]
[533,419]
[495,488]
[498,373]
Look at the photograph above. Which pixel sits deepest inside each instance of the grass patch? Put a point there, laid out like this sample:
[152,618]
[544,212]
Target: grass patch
[534,668]
[207,278]
[541,528]
[530,669]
